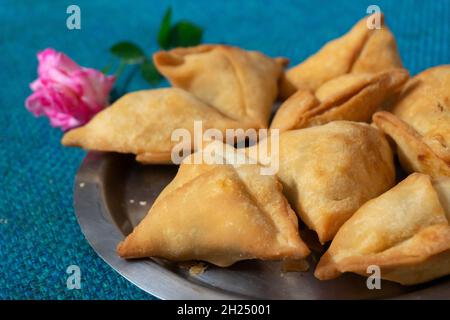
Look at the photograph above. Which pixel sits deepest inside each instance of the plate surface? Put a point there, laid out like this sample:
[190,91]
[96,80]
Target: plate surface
[113,193]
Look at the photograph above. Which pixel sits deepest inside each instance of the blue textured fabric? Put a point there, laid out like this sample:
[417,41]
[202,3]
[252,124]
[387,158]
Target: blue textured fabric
[39,235]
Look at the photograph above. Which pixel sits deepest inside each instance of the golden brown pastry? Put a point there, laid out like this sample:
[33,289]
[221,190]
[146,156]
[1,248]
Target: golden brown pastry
[414,153]
[240,84]
[329,171]
[353,96]
[405,232]
[220,214]
[142,123]
[420,123]
[360,50]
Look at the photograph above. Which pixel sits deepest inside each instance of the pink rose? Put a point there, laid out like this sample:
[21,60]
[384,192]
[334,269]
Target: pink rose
[69,95]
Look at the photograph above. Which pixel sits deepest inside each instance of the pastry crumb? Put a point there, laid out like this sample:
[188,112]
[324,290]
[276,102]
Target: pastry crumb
[131,200]
[142,203]
[195,268]
[82,184]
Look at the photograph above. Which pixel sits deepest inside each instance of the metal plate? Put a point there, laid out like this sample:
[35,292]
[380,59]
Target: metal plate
[113,193]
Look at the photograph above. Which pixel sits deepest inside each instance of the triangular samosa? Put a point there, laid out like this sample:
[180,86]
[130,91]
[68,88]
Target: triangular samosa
[414,153]
[405,232]
[242,85]
[329,171]
[360,50]
[142,123]
[420,122]
[218,213]
[353,96]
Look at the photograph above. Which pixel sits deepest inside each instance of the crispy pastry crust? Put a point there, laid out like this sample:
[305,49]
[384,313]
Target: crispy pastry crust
[219,214]
[415,155]
[360,50]
[424,104]
[405,232]
[241,84]
[142,123]
[353,97]
[329,171]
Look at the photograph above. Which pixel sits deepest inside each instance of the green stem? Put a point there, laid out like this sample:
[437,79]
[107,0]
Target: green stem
[120,69]
[128,79]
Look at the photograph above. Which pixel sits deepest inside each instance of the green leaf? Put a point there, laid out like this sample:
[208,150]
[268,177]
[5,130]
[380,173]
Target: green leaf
[149,72]
[164,30]
[186,34]
[128,52]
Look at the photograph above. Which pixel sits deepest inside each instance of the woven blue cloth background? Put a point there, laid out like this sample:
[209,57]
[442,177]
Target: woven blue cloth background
[39,234]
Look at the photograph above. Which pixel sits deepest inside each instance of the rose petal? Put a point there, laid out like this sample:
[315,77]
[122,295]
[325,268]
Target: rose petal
[69,95]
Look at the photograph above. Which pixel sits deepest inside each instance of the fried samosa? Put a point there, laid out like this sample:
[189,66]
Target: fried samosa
[405,232]
[353,96]
[360,50]
[329,171]
[420,123]
[414,153]
[142,123]
[218,213]
[242,85]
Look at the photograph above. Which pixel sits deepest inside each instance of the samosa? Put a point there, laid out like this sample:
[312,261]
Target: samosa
[353,96]
[329,171]
[361,50]
[241,84]
[142,123]
[219,213]
[405,232]
[419,123]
